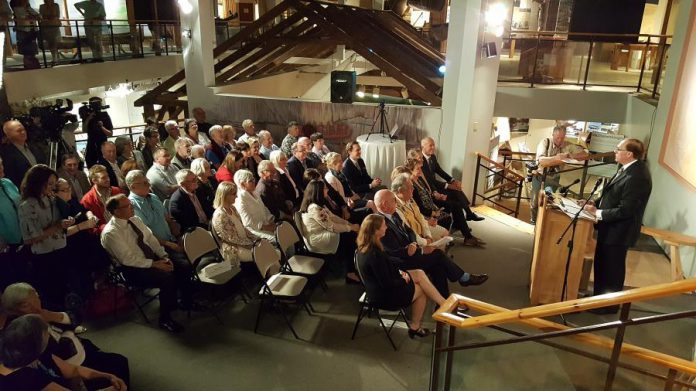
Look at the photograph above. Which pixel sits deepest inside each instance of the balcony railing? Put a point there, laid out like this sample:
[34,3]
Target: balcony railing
[634,62]
[76,41]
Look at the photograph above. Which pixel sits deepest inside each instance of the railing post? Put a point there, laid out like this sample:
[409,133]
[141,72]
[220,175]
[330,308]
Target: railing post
[536,58]
[616,351]
[450,356]
[476,178]
[78,41]
[141,38]
[663,49]
[587,65]
[166,43]
[519,198]
[671,376]
[113,40]
[435,361]
[642,63]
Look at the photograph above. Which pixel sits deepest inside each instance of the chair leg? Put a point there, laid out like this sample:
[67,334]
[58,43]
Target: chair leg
[387,332]
[307,307]
[258,315]
[287,320]
[361,315]
[403,314]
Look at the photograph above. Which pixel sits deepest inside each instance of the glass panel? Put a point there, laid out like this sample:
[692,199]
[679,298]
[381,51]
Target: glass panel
[619,64]
[559,61]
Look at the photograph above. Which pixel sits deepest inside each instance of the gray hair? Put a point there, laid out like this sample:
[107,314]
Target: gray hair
[15,295]
[108,142]
[170,124]
[121,142]
[246,123]
[557,129]
[276,156]
[263,135]
[198,166]
[132,176]
[197,149]
[265,165]
[23,341]
[214,129]
[243,176]
[303,140]
[182,174]
[159,152]
[181,141]
[331,156]
[399,182]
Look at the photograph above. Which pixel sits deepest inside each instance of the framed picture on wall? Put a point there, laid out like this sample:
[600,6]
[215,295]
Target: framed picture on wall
[519,125]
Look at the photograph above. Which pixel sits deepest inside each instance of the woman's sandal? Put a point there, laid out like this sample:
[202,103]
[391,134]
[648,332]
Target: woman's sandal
[421,332]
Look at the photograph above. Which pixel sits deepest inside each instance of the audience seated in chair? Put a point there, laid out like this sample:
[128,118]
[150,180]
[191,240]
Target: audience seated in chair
[236,241]
[233,161]
[29,363]
[267,146]
[185,207]
[316,161]
[162,175]
[249,130]
[318,147]
[206,181]
[217,149]
[151,145]
[77,179]
[335,202]
[108,160]
[173,133]
[386,285]
[339,182]
[255,216]
[298,163]
[145,262]
[292,190]
[126,152]
[182,153]
[22,299]
[326,233]
[96,197]
[290,138]
[191,132]
[149,208]
[271,192]
[355,171]
[400,242]
[18,155]
[249,161]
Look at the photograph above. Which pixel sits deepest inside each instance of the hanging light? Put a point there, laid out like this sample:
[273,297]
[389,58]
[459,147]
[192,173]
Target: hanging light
[185,6]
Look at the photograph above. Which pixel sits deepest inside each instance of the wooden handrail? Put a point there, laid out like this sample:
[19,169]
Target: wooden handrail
[629,350]
[506,171]
[444,313]
[669,236]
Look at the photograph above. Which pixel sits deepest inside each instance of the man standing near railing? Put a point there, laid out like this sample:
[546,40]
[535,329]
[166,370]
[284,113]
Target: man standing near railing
[94,14]
[550,155]
[619,214]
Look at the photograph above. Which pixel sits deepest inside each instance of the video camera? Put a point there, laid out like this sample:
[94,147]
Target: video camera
[53,118]
[95,105]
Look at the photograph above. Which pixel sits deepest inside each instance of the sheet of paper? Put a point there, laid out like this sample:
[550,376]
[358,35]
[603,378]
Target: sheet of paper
[442,241]
[570,207]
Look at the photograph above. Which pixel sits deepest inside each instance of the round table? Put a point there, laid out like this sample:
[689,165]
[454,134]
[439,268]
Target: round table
[381,155]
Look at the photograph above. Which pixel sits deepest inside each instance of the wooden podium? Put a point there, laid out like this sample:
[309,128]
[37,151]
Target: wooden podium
[549,259]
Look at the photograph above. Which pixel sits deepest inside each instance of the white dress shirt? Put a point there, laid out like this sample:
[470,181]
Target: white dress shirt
[254,214]
[121,241]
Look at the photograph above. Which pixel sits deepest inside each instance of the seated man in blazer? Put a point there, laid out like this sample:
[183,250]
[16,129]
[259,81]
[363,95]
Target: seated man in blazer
[185,207]
[17,155]
[400,243]
[70,171]
[450,187]
[355,171]
[110,161]
[298,163]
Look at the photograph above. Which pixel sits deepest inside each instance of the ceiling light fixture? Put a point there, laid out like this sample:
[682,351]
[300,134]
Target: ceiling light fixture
[185,6]
[375,92]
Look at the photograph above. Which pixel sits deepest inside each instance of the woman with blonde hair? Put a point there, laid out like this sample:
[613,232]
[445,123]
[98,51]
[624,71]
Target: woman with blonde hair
[386,285]
[236,242]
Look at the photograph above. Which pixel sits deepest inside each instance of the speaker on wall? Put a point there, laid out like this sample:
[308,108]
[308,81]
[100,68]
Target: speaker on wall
[342,86]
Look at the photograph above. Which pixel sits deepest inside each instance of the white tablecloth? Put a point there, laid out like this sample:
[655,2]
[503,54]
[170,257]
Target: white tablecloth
[381,155]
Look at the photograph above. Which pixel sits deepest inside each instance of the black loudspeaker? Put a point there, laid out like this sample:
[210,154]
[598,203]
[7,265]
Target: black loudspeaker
[342,86]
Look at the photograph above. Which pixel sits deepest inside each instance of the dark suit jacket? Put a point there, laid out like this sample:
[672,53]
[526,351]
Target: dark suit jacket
[359,179]
[81,179]
[109,170]
[273,196]
[623,203]
[296,169]
[16,165]
[395,241]
[431,170]
[182,210]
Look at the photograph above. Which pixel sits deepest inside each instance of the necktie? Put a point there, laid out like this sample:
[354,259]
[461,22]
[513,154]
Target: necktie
[618,174]
[399,223]
[294,185]
[202,218]
[147,251]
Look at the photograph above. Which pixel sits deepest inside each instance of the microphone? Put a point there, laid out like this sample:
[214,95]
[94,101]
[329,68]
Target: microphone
[564,189]
[596,185]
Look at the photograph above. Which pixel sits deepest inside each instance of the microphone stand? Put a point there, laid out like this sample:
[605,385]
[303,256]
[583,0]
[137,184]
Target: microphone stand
[573,223]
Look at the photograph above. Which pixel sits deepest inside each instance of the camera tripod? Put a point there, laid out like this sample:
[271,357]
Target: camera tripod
[55,146]
[381,117]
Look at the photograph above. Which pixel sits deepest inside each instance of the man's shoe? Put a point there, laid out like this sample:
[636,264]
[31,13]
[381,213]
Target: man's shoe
[474,279]
[480,241]
[474,217]
[472,242]
[171,326]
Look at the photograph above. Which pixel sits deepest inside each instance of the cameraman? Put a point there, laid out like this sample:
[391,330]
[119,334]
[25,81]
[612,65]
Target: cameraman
[550,155]
[97,125]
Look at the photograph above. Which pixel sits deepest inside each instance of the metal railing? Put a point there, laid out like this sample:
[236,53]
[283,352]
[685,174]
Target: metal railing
[76,41]
[632,61]
[679,371]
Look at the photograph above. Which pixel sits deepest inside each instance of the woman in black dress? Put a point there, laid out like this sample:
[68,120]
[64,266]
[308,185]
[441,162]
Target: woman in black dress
[386,285]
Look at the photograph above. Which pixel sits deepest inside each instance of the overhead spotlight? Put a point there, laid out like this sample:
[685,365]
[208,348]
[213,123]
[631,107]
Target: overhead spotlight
[375,92]
[442,69]
[361,92]
[185,6]
[186,33]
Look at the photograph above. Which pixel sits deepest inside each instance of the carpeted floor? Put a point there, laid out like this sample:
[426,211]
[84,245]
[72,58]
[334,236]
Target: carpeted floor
[210,356]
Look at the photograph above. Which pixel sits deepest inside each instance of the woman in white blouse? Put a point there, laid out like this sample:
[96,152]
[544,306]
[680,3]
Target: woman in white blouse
[325,232]
[191,129]
[236,241]
[255,216]
[339,182]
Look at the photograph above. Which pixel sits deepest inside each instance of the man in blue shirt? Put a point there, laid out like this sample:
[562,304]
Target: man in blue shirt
[151,211]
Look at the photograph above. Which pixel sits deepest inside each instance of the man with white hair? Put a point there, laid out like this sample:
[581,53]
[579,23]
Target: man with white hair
[249,130]
[271,192]
[182,158]
[298,163]
[267,146]
[400,242]
[185,207]
[110,161]
[173,134]
[254,214]
[217,150]
[161,174]
[306,142]
[197,151]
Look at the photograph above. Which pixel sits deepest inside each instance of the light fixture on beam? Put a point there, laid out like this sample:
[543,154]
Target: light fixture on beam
[375,92]
[404,93]
[361,92]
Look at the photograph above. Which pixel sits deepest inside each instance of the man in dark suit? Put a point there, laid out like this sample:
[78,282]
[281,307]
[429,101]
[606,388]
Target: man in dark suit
[17,155]
[355,171]
[450,187]
[184,205]
[298,163]
[108,159]
[400,243]
[619,214]
[70,171]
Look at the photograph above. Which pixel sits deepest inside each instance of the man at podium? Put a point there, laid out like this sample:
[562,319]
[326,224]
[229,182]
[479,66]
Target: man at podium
[619,213]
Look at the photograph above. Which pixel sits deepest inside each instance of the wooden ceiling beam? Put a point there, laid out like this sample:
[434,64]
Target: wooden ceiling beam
[248,31]
[405,28]
[164,86]
[304,49]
